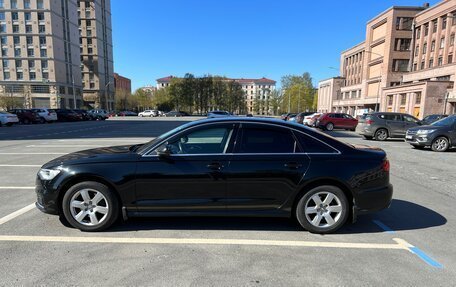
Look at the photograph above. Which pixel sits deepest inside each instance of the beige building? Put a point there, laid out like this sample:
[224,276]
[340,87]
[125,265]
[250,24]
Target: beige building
[377,63]
[329,91]
[254,89]
[39,52]
[96,61]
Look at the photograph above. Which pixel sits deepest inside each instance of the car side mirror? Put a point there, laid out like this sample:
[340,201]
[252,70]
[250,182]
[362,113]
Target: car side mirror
[164,152]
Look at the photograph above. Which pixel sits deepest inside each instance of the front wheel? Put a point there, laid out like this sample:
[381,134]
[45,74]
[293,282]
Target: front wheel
[323,209]
[90,206]
[440,144]
[329,126]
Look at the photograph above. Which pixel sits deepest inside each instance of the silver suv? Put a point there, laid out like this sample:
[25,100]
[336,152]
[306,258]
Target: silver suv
[383,125]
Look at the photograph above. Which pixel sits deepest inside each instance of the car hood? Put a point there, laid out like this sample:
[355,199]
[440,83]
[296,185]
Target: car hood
[426,127]
[97,155]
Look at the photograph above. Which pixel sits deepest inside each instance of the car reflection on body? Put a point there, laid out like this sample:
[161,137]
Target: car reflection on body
[220,167]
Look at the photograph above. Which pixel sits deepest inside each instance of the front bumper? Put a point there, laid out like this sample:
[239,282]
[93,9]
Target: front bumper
[373,200]
[419,139]
[46,197]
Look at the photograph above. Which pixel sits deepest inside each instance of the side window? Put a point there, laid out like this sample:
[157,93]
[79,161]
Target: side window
[203,141]
[410,119]
[312,145]
[332,115]
[266,140]
[348,117]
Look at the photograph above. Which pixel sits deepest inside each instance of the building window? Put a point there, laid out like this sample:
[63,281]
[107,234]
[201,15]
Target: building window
[19,76]
[40,16]
[6,75]
[45,75]
[415,66]
[2,28]
[28,16]
[5,63]
[444,22]
[27,4]
[400,65]
[41,29]
[433,46]
[453,22]
[451,40]
[424,48]
[5,52]
[16,40]
[426,29]
[32,76]
[404,23]
[422,65]
[2,16]
[28,29]
[402,44]
[1,4]
[450,59]
[17,52]
[42,40]
[431,63]
[390,100]
[403,99]
[14,4]
[18,64]
[29,40]
[418,32]
[417,50]
[15,28]
[15,16]
[417,98]
[442,43]
[434,26]
[31,64]
[30,52]
[44,64]
[439,61]
[39,4]
[3,40]
[43,53]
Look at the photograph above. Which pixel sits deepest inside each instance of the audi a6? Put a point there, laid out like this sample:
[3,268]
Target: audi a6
[220,167]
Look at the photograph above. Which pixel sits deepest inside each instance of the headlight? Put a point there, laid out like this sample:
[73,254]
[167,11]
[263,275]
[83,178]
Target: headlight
[425,132]
[48,174]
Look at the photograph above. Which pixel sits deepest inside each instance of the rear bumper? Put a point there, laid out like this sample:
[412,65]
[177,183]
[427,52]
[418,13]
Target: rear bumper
[365,130]
[372,200]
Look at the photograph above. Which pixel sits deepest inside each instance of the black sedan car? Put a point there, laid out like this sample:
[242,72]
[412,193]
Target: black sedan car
[440,135]
[220,167]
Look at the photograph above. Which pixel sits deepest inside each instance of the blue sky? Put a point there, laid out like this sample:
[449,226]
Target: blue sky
[237,38]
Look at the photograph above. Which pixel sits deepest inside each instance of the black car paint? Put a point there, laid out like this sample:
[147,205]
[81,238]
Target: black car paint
[247,184]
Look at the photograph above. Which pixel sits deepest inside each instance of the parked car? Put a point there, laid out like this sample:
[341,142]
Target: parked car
[148,113]
[432,118]
[99,114]
[238,166]
[300,117]
[8,119]
[127,114]
[46,115]
[84,114]
[65,115]
[383,125]
[330,121]
[311,119]
[440,135]
[287,116]
[25,116]
[176,114]
[218,114]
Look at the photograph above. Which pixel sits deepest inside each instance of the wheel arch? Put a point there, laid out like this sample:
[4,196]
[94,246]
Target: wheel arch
[81,178]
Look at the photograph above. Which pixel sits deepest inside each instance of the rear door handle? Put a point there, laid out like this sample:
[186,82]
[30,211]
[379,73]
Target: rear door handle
[215,166]
[293,165]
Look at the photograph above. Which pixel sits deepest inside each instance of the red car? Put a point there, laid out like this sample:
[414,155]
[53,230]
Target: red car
[330,121]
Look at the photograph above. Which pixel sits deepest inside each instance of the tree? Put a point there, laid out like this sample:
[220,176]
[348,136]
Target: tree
[299,92]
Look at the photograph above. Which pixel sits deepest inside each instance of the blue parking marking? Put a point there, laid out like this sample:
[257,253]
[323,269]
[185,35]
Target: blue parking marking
[384,226]
[418,252]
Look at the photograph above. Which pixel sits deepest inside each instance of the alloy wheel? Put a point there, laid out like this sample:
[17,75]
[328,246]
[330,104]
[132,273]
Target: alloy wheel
[381,135]
[440,144]
[323,209]
[330,127]
[89,207]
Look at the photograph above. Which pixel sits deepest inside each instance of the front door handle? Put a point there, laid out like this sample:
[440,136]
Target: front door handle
[293,165]
[215,166]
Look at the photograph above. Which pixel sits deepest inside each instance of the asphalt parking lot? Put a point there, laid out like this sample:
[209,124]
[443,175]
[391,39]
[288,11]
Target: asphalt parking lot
[409,244]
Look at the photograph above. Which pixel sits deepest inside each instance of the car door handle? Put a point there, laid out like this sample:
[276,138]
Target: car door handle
[215,166]
[293,165]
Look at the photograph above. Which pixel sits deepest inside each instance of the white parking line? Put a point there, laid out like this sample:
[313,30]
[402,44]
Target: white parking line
[17,213]
[20,165]
[202,241]
[64,146]
[17,187]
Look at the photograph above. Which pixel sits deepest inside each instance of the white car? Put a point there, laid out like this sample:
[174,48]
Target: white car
[8,119]
[148,113]
[308,119]
[46,115]
[218,114]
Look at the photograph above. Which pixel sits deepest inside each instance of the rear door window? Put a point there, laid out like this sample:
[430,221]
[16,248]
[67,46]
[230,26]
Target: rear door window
[265,139]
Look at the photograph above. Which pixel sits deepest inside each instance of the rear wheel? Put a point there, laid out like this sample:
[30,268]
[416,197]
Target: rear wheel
[329,126]
[381,134]
[440,144]
[323,209]
[90,206]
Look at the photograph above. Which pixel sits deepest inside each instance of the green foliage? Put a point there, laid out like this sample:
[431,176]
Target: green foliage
[299,93]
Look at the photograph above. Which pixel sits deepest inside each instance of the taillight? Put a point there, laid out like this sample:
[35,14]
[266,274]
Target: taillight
[369,122]
[386,165]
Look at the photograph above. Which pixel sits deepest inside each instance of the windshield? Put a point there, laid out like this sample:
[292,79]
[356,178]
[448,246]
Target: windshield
[148,145]
[445,122]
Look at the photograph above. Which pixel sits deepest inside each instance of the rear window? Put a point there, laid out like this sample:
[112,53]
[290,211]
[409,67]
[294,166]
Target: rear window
[312,145]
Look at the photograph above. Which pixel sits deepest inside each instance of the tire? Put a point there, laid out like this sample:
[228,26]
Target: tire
[440,144]
[329,126]
[317,219]
[140,116]
[84,213]
[381,134]
[26,121]
[367,137]
[42,120]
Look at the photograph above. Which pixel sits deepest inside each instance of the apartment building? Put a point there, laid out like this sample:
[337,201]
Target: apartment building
[378,62]
[96,60]
[39,54]
[256,90]
[429,86]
